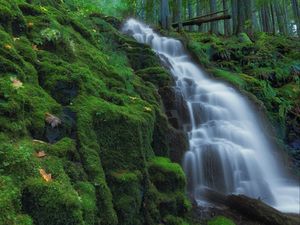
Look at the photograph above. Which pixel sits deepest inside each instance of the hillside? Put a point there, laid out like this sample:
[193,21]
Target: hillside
[80,127]
[94,130]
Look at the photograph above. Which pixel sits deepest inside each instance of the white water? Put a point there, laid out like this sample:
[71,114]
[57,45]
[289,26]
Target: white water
[228,150]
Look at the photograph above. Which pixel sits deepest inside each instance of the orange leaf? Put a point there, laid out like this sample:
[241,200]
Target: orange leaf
[47,177]
[40,154]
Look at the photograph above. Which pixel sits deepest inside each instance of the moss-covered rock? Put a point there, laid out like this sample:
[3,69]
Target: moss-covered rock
[80,106]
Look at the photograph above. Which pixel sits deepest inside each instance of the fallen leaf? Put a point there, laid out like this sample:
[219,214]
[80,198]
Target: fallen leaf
[30,24]
[34,47]
[16,83]
[147,109]
[8,46]
[54,121]
[40,154]
[16,39]
[47,177]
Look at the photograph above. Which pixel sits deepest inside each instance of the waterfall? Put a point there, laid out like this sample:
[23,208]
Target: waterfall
[228,151]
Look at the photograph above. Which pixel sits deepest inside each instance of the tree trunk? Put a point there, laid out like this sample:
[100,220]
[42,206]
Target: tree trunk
[248,20]
[164,14]
[273,19]
[190,13]
[179,14]
[296,12]
[213,25]
[234,16]
[226,22]
[265,16]
[202,20]
[240,17]
[280,19]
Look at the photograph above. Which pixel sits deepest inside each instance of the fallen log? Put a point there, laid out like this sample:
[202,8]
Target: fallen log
[252,209]
[210,14]
[202,20]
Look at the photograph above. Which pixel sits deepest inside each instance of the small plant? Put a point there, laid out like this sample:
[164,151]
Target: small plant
[50,35]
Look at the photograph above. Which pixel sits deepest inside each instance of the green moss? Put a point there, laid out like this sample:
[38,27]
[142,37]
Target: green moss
[127,196]
[87,195]
[82,70]
[166,176]
[9,201]
[172,220]
[221,221]
[17,160]
[50,203]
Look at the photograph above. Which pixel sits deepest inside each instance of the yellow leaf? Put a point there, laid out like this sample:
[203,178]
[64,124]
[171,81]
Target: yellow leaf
[8,46]
[30,24]
[47,177]
[16,83]
[148,109]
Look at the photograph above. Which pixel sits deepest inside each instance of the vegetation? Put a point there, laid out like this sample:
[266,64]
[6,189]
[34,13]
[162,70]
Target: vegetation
[266,68]
[71,97]
[84,135]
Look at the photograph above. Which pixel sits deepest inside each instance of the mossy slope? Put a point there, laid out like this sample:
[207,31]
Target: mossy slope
[76,102]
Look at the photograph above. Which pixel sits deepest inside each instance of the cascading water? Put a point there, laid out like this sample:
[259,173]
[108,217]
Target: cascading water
[228,150]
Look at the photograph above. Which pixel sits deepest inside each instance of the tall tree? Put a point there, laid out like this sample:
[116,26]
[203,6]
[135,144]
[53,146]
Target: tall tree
[234,16]
[190,12]
[226,22]
[296,12]
[213,8]
[164,14]
[179,14]
[281,22]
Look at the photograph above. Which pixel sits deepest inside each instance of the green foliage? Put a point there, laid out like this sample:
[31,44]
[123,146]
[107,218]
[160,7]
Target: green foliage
[220,220]
[50,203]
[50,34]
[63,61]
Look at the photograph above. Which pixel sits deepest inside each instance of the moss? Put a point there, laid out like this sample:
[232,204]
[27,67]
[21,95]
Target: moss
[166,176]
[65,148]
[172,220]
[17,160]
[9,202]
[127,196]
[50,203]
[156,75]
[221,221]
[82,70]
[87,194]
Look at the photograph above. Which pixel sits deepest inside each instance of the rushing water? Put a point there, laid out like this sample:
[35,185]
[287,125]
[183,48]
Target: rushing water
[228,151]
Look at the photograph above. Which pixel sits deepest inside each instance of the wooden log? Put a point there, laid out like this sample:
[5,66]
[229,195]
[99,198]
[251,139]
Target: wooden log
[259,211]
[210,14]
[202,20]
[252,209]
